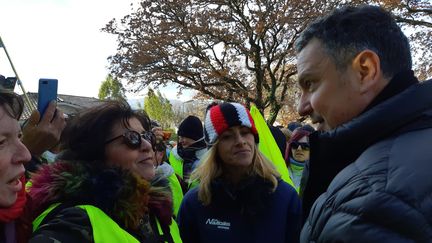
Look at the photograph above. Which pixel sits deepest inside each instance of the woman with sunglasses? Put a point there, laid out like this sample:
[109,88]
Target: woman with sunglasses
[240,196]
[99,190]
[297,154]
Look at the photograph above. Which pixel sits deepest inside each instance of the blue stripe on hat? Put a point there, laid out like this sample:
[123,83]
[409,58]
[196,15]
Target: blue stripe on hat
[230,114]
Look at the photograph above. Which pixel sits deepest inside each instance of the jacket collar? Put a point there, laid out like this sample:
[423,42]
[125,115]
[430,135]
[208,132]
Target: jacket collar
[400,82]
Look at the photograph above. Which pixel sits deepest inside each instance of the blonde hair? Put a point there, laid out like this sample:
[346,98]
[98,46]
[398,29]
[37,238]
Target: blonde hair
[211,168]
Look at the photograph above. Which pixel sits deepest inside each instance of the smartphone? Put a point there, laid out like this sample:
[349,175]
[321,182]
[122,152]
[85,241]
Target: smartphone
[47,92]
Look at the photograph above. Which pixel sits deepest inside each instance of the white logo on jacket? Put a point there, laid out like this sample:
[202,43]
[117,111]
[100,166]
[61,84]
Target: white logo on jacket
[219,224]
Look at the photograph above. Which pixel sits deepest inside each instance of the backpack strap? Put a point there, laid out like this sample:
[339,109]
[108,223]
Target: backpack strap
[161,231]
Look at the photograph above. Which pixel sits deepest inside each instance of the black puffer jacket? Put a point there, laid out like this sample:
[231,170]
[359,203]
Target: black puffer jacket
[382,163]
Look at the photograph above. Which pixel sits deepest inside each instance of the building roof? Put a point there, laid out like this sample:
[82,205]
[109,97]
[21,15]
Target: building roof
[69,104]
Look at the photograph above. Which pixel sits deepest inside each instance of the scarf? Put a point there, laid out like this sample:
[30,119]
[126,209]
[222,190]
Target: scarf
[296,171]
[13,212]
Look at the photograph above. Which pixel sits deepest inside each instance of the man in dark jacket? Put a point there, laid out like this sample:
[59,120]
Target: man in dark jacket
[370,165]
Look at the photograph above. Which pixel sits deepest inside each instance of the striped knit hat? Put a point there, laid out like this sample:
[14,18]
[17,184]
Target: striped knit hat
[223,116]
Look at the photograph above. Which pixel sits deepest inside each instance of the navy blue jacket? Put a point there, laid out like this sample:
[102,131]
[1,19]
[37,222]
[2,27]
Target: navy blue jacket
[250,214]
[382,163]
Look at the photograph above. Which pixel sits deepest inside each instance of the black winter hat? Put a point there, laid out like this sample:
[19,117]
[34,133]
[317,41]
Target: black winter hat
[191,127]
[279,137]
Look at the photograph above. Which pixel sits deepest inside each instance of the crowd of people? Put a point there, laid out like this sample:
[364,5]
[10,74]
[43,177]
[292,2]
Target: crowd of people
[109,174]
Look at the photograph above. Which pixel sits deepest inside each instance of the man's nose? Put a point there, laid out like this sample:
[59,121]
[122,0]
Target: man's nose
[304,107]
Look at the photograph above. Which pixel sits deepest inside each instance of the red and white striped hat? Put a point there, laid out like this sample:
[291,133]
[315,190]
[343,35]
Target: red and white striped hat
[223,116]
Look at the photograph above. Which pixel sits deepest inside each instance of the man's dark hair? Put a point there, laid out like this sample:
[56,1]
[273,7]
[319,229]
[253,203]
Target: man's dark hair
[308,128]
[86,133]
[349,30]
[12,103]
[293,125]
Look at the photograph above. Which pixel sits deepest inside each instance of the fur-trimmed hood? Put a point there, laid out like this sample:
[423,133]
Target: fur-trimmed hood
[122,195]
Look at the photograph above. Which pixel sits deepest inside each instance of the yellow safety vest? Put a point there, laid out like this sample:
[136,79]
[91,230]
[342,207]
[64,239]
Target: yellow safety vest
[177,192]
[268,146]
[176,164]
[105,229]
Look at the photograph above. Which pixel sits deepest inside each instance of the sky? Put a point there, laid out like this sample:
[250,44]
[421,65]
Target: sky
[62,39]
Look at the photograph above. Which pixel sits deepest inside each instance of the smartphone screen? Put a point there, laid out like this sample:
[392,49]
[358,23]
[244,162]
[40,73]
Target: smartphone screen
[47,92]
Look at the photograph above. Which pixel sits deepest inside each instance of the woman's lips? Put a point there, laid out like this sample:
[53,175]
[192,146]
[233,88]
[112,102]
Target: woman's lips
[146,160]
[241,152]
[299,154]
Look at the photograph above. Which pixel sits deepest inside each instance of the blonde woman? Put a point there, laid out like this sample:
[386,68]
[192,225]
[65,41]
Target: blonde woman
[240,197]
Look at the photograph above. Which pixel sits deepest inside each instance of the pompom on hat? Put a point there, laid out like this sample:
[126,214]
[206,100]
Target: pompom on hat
[220,117]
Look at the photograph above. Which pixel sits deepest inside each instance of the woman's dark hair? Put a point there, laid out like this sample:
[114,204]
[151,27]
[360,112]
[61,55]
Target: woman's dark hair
[298,134]
[85,134]
[12,103]
[161,147]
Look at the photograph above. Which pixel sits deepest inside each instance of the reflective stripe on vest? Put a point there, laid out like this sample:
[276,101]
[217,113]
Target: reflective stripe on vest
[104,228]
[176,164]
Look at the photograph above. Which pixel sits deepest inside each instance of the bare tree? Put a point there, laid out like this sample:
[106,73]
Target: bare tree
[233,50]
[227,50]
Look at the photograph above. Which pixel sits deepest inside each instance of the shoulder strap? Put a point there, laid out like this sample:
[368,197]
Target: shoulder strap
[162,231]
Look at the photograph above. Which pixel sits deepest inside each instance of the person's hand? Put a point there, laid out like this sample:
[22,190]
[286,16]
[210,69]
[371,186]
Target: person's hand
[39,136]
[158,132]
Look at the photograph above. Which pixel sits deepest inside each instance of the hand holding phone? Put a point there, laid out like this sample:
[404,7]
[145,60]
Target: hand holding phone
[47,93]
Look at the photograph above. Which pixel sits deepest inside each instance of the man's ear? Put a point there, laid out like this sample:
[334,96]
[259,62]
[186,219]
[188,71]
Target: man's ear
[367,67]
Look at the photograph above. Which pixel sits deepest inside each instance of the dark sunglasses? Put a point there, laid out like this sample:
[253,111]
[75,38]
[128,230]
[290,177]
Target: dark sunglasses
[304,146]
[133,139]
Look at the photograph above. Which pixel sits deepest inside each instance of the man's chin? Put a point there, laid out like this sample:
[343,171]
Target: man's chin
[323,126]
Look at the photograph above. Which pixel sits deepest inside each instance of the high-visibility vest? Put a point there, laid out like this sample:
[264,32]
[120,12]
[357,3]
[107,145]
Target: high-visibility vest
[177,164]
[177,192]
[268,146]
[174,231]
[105,229]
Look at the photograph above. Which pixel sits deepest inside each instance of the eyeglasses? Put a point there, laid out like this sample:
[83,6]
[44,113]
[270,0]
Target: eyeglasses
[304,146]
[133,139]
